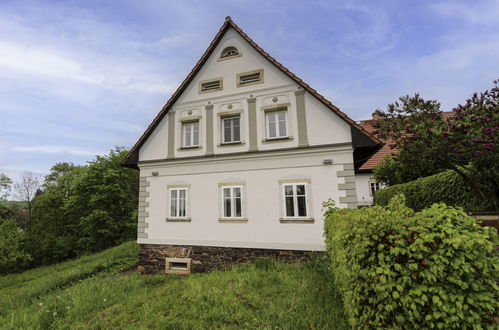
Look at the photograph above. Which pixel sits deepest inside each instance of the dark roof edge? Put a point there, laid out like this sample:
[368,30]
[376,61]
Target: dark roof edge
[132,158]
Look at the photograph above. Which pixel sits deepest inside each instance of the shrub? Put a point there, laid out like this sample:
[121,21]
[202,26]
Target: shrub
[446,187]
[398,269]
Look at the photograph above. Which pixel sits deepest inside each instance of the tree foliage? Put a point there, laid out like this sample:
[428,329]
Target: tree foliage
[467,142]
[84,209]
[5,186]
[13,251]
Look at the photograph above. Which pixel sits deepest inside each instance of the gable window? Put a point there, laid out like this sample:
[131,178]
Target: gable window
[373,187]
[211,85]
[229,51]
[249,78]
[231,130]
[276,122]
[178,202]
[232,202]
[295,200]
[190,134]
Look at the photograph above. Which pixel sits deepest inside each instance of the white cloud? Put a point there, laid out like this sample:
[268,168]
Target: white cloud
[56,149]
[477,12]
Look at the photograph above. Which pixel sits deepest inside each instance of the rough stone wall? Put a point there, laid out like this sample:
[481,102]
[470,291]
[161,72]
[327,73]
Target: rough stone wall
[208,258]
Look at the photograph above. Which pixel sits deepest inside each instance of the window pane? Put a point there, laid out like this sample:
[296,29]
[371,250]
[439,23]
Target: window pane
[236,130]
[226,192]
[238,207]
[288,190]
[227,130]
[271,125]
[187,135]
[227,208]
[282,128]
[173,203]
[181,211]
[300,189]
[237,192]
[290,209]
[302,206]
[196,134]
[281,116]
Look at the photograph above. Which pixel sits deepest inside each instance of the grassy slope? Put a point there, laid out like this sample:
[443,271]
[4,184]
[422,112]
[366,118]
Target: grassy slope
[80,294]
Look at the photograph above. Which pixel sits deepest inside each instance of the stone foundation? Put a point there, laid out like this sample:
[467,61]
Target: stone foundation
[208,258]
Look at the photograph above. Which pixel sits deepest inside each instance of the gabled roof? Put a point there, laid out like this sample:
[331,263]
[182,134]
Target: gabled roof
[132,158]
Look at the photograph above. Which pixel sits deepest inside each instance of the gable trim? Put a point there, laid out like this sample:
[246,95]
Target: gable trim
[131,159]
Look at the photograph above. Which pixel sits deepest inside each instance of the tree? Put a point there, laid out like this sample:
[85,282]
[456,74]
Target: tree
[467,142]
[13,254]
[5,186]
[26,190]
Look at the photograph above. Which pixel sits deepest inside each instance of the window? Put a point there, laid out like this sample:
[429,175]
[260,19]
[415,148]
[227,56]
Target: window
[276,124]
[231,130]
[373,186]
[229,51]
[178,202]
[249,78]
[232,202]
[210,85]
[190,133]
[295,200]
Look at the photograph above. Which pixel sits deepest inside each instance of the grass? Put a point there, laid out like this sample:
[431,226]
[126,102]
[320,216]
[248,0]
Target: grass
[83,294]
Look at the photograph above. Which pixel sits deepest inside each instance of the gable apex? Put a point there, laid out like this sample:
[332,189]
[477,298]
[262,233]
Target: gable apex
[132,158]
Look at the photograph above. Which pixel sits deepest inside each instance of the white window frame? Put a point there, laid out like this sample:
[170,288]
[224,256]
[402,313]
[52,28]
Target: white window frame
[232,202]
[267,124]
[377,186]
[232,129]
[295,200]
[191,135]
[177,203]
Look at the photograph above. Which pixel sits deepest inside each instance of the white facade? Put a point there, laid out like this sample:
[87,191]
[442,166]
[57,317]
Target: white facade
[316,153]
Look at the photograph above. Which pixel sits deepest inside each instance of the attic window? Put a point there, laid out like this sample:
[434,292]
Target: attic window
[229,51]
[211,85]
[250,78]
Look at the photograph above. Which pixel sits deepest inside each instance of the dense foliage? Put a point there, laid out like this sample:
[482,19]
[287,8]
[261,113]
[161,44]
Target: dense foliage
[13,253]
[403,270]
[84,209]
[446,187]
[467,142]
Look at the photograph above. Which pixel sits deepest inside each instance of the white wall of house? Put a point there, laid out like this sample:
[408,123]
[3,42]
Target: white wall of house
[262,177]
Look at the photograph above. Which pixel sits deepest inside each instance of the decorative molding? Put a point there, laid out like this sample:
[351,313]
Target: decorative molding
[232,220]
[301,118]
[290,220]
[253,125]
[348,186]
[171,135]
[209,129]
[178,219]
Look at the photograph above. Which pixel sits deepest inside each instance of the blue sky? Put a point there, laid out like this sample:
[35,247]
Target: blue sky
[79,77]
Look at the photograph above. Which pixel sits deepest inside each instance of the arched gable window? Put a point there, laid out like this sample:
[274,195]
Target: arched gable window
[229,51]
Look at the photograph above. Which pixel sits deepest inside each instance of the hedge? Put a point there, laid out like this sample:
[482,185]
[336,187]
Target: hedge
[397,269]
[446,187]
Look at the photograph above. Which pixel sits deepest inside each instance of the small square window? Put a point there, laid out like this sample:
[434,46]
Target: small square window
[276,122]
[231,130]
[190,134]
[249,78]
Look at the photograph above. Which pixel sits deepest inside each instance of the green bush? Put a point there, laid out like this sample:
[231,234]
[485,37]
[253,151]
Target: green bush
[446,187]
[13,255]
[398,269]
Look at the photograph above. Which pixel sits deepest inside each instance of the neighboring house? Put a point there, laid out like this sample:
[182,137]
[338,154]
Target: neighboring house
[365,183]
[238,163]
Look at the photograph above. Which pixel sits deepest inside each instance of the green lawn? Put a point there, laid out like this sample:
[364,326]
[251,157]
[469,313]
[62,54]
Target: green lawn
[89,293]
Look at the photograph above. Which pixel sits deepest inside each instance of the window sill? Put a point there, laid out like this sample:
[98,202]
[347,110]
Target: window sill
[178,219]
[296,220]
[280,139]
[232,220]
[230,144]
[189,148]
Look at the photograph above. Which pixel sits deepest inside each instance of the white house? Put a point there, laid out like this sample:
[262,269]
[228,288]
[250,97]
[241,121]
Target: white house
[238,163]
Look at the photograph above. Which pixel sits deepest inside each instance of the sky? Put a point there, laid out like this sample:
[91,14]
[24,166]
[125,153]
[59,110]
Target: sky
[80,77]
